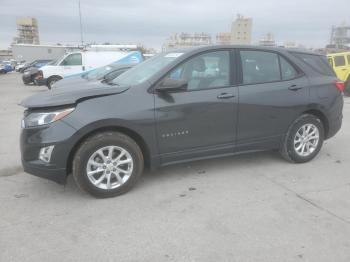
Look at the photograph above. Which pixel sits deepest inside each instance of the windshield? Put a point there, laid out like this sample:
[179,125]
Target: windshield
[145,70]
[53,62]
[98,73]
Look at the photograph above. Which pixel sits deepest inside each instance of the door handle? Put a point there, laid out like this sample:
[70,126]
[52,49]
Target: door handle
[225,95]
[294,87]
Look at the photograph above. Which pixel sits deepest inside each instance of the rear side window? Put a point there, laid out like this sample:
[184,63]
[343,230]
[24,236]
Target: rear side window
[316,62]
[348,59]
[287,70]
[259,67]
[339,61]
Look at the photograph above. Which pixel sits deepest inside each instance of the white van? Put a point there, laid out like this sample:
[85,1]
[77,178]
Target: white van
[76,63]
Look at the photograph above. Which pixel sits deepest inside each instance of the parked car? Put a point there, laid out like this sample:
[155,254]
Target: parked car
[181,106]
[341,65]
[105,73]
[77,63]
[20,65]
[30,74]
[5,68]
[36,64]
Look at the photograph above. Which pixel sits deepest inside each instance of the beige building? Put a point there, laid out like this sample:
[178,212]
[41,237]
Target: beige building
[185,40]
[241,32]
[27,31]
[267,40]
[223,38]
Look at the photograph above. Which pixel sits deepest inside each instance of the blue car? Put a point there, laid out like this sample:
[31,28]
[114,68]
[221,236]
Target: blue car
[5,68]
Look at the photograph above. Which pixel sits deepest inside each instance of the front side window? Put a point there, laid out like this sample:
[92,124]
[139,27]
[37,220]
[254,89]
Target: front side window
[145,70]
[205,71]
[259,67]
[339,61]
[72,60]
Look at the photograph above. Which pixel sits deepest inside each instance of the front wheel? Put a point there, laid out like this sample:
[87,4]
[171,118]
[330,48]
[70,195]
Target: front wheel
[107,164]
[303,140]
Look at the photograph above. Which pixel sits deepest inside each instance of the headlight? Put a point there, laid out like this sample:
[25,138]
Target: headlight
[44,118]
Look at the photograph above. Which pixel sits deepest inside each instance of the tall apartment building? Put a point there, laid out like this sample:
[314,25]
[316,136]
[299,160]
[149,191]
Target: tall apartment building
[241,32]
[185,40]
[27,31]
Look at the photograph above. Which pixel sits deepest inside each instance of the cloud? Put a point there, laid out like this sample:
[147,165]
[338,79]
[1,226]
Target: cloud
[151,22]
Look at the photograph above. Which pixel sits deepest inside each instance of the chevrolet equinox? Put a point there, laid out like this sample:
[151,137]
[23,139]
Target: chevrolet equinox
[181,106]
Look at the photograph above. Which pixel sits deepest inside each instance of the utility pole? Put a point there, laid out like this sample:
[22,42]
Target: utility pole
[81,26]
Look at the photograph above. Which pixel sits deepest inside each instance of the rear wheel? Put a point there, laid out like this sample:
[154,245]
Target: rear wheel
[107,164]
[303,140]
[52,80]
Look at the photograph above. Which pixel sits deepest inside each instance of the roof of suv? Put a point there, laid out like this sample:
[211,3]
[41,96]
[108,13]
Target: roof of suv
[253,47]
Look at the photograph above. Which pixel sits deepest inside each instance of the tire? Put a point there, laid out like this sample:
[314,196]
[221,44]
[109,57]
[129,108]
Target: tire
[289,150]
[86,152]
[52,80]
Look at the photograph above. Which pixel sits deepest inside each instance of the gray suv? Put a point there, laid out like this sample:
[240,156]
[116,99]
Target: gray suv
[181,106]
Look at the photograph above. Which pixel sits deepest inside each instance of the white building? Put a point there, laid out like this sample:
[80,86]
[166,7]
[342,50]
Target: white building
[30,52]
[185,40]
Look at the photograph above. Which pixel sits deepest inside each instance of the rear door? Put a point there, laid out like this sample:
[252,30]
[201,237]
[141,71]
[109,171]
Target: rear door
[271,92]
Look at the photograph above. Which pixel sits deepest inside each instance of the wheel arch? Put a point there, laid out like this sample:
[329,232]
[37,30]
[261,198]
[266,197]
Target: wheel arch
[140,141]
[318,113]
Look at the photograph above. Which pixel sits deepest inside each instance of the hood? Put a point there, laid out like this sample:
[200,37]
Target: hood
[67,95]
[70,82]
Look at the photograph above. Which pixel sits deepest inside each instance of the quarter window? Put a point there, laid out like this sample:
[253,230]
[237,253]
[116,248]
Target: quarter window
[72,60]
[339,61]
[205,71]
[259,67]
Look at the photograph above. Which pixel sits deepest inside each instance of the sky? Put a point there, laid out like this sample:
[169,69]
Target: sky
[151,22]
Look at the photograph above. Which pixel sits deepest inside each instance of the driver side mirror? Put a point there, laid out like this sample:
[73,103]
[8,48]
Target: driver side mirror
[172,85]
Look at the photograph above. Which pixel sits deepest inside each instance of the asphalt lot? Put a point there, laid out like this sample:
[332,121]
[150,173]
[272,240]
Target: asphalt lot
[253,207]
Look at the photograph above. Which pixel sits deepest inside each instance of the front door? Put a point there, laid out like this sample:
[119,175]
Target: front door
[72,65]
[200,121]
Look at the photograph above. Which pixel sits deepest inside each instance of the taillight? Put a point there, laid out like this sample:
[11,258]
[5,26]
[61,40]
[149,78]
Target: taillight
[340,85]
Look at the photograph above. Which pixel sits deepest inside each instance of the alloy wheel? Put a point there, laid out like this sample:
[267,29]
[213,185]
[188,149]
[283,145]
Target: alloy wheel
[306,140]
[109,167]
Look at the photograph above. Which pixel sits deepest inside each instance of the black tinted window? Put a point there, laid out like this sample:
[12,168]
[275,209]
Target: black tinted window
[287,70]
[259,67]
[339,61]
[316,62]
